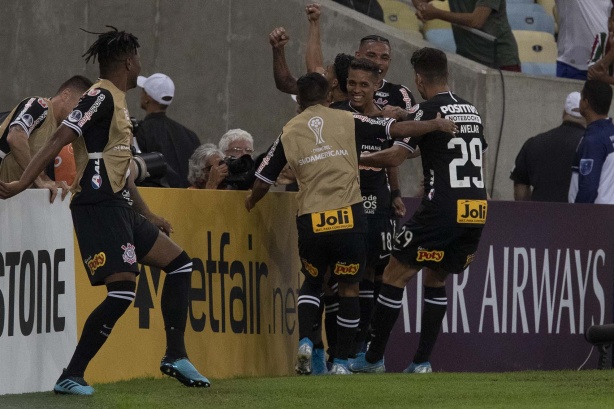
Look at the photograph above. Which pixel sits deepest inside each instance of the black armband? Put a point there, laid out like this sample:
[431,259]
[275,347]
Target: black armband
[395,193]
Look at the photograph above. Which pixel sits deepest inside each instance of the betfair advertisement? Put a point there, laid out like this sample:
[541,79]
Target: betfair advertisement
[242,318]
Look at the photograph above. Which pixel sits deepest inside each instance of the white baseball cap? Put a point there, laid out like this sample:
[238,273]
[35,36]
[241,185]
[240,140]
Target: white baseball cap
[572,104]
[158,86]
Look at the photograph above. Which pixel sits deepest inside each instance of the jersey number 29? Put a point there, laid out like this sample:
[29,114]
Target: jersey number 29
[475,150]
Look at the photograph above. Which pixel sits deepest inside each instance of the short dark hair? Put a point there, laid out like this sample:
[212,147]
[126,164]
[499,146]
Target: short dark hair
[374,38]
[599,96]
[431,63]
[342,65]
[77,82]
[111,47]
[312,89]
[365,65]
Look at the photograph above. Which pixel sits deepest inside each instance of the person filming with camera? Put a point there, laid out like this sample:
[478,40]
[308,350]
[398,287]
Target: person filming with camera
[237,165]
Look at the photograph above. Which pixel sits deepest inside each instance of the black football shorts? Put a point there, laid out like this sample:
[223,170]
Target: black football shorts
[111,239]
[447,248]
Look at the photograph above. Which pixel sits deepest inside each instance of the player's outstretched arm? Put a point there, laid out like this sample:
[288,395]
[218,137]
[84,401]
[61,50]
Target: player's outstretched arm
[411,129]
[385,158]
[314,60]
[284,80]
[141,207]
[62,136]
[258,191]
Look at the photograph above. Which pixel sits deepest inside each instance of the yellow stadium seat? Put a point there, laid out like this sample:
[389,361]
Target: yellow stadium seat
[398,14]
[436,23]
[537,52]
[548,5]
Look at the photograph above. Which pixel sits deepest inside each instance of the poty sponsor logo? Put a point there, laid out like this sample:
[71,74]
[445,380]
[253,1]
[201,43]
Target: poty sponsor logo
[430,255]
[96,181]
[381,94]
[414,108]
[96,261]
[42,102]
[372,120]
[129,255]
[350,269]
[406,97]
[418,115]
[75,116]
[310,268]
[93,109]
[93,92]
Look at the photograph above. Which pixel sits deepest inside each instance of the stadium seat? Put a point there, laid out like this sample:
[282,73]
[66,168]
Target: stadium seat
[439,32]
[398,14]
[537,52]
[530,17]
[548,6]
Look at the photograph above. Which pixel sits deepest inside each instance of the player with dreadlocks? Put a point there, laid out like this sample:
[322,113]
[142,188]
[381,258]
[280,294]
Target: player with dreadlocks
[114,227]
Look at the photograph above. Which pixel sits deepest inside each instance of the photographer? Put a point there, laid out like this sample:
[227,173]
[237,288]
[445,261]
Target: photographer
[238,146]
[206,168]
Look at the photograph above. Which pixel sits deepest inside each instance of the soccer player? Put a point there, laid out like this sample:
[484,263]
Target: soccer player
[114,227]
[28,126]
[442,236]
[319,145]
[363,78]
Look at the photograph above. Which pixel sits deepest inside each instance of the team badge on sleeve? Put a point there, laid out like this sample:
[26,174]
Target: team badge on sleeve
[586,166]
[75,116]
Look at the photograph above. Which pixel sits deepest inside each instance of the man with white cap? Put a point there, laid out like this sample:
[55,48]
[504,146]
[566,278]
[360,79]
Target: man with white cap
[543,165]
[159,133]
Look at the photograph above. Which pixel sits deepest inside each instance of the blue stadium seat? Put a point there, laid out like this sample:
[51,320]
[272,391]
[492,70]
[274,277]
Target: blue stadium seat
[442,38]
[539,68]
[530,17]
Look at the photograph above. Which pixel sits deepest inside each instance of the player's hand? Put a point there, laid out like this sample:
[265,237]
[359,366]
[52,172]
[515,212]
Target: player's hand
[397,113]
[53,189]
[285,177]
[398,206]
[313,12]
[249,203]
[445,125]
[10,189]
[279,38]
[161,223]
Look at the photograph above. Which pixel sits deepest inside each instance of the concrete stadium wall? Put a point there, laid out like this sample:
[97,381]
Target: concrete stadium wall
[217,53]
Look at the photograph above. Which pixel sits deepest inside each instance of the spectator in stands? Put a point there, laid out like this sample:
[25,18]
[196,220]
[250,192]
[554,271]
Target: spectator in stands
[369,7]
[206,167]
[579,22]
[543,165]
[28,126]
[601,65]
[158,133]
[488,16]
[592,180]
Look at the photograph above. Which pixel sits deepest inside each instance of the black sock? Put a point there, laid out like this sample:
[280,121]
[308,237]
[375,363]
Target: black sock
[348,318]
[308,307]
[366,312]
[331,307]
[318,343]
[99,324]
[387,310]
[174,304]
[435,305]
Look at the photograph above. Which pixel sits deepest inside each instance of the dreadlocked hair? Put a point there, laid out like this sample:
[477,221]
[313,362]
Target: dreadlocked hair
[111,46]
